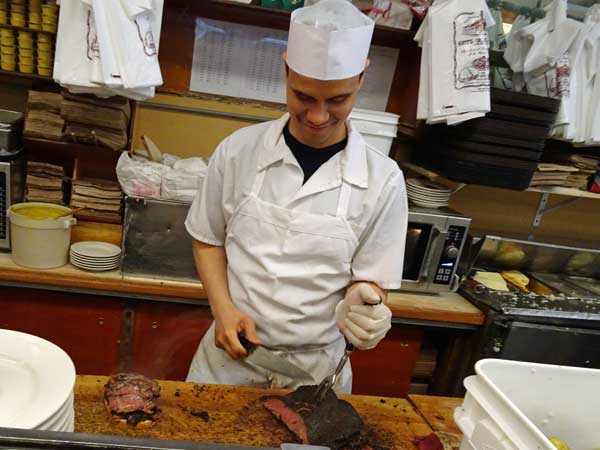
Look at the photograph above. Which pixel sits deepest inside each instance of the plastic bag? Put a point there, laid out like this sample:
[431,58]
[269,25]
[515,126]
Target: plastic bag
[169,160]
[184,179]
[392,13]
[139,177]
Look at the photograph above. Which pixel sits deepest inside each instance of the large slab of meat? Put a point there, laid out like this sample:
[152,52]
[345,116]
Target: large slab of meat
[131,398]
[333,423]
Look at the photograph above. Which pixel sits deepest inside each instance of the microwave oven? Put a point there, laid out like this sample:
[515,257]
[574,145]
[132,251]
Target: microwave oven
[435,240]
[12,185]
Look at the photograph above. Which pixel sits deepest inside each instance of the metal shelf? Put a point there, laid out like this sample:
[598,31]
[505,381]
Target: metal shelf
[557,190]
[546,191]
[570,192]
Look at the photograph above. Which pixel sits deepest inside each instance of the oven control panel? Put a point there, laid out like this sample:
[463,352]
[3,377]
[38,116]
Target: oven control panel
[3,206]
[450,253]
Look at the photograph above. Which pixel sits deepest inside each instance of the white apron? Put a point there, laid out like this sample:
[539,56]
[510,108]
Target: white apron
[287,269]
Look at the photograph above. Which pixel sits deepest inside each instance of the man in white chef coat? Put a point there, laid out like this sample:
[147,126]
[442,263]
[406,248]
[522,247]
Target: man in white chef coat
[299,230]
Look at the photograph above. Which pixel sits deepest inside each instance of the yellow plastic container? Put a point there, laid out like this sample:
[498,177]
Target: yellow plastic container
[48,27]
[25,68]
[17,8]
[25,59]
[35,17]
[44,46]
[50,20]
[50,8]
[3,17]
[17,19]
[42,37]
[35,26]
[45,62]
[6,32]
[26,52]
[26,44]
[8,49]
[44,71]
[8,65]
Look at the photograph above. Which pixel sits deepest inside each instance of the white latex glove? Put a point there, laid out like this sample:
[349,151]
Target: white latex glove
[362,317]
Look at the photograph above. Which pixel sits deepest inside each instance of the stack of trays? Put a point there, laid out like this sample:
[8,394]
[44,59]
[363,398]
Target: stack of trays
[8,50]
[426,193]
[501,149]
[26,52]
[17,13]
[37,384]
[95,256]
[50,17]
[34,18]
[45,52]
[3,12]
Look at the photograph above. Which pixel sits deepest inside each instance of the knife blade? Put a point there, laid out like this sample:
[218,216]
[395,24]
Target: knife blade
[266,359]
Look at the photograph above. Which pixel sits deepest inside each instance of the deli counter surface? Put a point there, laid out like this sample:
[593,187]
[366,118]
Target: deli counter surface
[449,308]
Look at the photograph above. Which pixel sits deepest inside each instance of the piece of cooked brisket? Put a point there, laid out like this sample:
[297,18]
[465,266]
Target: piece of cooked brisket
[132,397]
[429,442]
[333,423]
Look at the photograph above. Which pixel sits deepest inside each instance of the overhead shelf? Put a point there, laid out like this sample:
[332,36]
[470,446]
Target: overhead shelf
[257,15]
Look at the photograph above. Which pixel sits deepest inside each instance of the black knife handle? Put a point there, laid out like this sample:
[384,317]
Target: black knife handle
[248,346]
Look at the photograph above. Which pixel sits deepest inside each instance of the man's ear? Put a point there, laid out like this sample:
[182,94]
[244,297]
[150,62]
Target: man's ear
[287,69]
[362,74]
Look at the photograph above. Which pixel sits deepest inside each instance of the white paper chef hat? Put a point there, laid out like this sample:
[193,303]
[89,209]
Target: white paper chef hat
[329,40]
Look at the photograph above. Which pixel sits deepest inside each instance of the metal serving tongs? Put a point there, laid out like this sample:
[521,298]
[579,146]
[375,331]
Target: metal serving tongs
[329,381]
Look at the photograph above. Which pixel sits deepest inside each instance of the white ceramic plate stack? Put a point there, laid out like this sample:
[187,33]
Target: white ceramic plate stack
[36,384]
[95,255]
[426,193]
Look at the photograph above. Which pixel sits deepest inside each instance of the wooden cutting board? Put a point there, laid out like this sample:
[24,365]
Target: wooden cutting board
[234,415]
[438,412]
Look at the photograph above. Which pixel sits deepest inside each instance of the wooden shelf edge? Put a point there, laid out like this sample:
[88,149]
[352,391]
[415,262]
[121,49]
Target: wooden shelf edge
[31,76]
[32,30]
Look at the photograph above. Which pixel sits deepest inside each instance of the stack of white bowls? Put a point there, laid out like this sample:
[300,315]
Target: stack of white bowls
[427,193]
[36,384]
[95,255]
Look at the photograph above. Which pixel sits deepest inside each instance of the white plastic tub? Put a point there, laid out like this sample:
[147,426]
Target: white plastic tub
[517,405]
[377,128]
[40,244]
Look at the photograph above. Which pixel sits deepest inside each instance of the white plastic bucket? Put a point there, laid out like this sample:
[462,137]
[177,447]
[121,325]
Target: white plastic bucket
[377,128]
[40,243]
[518,405]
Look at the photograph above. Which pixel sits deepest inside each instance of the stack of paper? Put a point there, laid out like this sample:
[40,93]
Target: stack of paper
[44,182]
[109,47]
[90,120]
[455,77]
[43,118]
[99,197]
[586,164]
[572,176]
